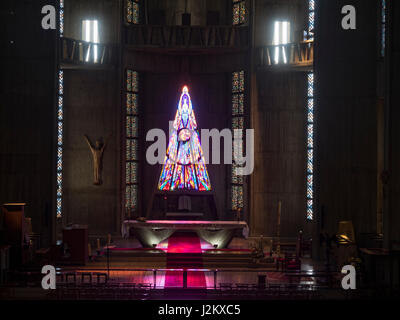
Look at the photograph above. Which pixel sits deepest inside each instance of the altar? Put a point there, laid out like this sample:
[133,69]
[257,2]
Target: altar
[151,232]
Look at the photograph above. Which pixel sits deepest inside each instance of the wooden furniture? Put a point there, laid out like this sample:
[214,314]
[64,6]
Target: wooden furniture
[4,262]
[75,240]
[14,223]
[382,267]
[297,276]
[15,231]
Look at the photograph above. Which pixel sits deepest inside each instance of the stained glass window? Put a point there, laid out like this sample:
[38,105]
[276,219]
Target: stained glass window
[184,165]
[132,81]
[131,104]
[132,130]
[238,110]
[237,123]
[237,104]
[237,197]
[60,120]
[238,12]
[311,19]
[132,11]
[131,149]
[132,142]
[383,21]
[61,26]
[238,179]
[310,120]
[131,172]
[59,160]
[131,197]
[238,82]
[310,144]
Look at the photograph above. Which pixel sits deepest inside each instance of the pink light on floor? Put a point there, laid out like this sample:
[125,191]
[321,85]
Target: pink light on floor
[184,242]
[185,252]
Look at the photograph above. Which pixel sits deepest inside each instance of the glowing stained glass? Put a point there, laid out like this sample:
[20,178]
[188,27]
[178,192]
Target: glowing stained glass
[310,119]
[132,11]
[131,149]
[238,12]
[237,123]
[310,105]
[184,165]
[310,87]
[309,166]
[132,127]
[132,81]
[135,13]
[310,209]
[60,107]
[60,114]
[310,116]
[61,83]
[131,172]
[237,197]
[310,160]
[131,197]
[237,104]
[59,139]
[311,22]
[131,103]
[129,11]
[61,26]
[311,19]
[310,186]
[132,142]
[238,81]
[242,17]
[237,179]
[238,110]
[310,137]
[383,36]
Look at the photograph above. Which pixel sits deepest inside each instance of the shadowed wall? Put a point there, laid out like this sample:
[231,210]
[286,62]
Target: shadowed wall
[27,112]
[346,118]
[279,120]
[91,108]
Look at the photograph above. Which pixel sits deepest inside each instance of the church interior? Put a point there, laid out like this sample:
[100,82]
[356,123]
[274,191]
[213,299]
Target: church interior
[200,149]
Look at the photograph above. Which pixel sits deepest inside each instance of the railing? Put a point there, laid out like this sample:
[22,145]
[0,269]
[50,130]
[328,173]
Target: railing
[186,36]
[300,54]
[86,53]
[217,277]
[147,284]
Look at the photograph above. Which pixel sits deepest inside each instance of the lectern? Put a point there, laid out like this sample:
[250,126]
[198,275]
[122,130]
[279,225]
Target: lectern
[75,239]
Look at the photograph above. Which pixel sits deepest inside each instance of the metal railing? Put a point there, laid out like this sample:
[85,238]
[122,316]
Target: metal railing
[300,54]
[186,36]
[217,278]
[74,51]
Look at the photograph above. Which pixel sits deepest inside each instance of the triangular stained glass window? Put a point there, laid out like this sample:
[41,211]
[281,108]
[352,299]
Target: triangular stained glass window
[184,165]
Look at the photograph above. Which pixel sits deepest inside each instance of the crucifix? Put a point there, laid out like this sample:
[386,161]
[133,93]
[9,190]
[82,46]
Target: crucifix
[97,153]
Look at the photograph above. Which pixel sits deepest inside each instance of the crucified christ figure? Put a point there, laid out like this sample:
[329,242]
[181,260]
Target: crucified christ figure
[97,153]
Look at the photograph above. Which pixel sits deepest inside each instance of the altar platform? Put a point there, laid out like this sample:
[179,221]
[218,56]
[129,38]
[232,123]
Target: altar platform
[151,232]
